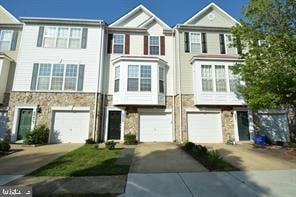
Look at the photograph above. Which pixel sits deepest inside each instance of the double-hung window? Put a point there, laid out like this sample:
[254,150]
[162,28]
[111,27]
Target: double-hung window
[44,77]
[145,83]
[133,78]
[71,77]
[154,45]
[220,78]
[118,43]
[57,79]
[5,39]
[139,76]
[229,41]
[62,38]
[207,78]
[75,38]
[161,80]
[233,80]
[117,78]
[50,37]
[195,42]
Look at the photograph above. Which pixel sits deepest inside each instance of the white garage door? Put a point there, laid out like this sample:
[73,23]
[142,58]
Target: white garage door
[70,127]
[275,126]
[156,127]
[204,127]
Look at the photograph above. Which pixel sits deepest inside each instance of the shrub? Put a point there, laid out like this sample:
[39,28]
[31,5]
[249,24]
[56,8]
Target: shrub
[4,145]
[110,145]
[189,145]
[38,136]
[89,141]
[130,139]
[200,150]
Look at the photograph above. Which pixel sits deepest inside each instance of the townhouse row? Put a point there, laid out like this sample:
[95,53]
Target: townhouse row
[87,79]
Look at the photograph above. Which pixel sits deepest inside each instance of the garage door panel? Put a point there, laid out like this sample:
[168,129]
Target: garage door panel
[155,127]
[204,127]
[70,127]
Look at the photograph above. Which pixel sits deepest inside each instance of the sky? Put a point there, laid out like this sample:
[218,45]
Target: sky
[170,11]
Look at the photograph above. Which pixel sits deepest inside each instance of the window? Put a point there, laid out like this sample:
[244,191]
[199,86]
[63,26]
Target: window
[229,41]
[220,78]
[145,84]
[117,79]
[57,77]
[207,78]
[139,76]
[195,42]
[118,43]
[154,45]
[133,78]
[5,40]
[233,80]
[161,80]
[62,37]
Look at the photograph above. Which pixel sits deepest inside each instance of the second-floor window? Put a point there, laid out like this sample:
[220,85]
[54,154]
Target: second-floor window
[62,37]
[161,80]
[229,41]
[233,80]
[220,78]
[139,76]
[154,45]
[207,78]
[116,78]
[5,39]
[195,42]
[118,43]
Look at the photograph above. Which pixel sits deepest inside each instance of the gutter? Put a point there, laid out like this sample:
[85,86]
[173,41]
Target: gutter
[180,92]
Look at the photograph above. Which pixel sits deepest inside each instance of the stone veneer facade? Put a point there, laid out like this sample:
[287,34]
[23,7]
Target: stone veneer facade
[188,102]
[47,100]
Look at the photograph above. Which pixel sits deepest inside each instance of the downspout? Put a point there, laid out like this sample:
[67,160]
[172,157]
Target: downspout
[99,85]
[180,92]
[174,64]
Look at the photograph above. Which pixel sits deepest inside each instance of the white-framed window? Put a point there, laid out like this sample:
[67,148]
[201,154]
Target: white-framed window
[139,78]
[195,42]
[233,80]
[207,78]
[161,79]
[229,41]
[118,43]
[5,39]
[220,78]
[57,77]
[154,45]
[62,37]
[116,78]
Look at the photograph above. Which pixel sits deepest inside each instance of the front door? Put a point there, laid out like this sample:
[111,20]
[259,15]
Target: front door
[24,123]
[243,125]
[114,125]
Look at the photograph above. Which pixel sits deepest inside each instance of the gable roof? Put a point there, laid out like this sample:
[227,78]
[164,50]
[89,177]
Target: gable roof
[135,10]
[211,5]
[9,15]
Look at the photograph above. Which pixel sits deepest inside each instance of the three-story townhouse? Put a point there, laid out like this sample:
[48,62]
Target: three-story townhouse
[58,79]
[10,34]
[139,78]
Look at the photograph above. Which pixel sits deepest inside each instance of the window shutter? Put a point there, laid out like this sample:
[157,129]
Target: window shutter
[13,41]
[222,44]
[186,41]
[34,76]
[110,37]
[145,45]
[239,46]
[84,38]
[40,36]
[162,45]
[127,44]
[204,42]
[80,77]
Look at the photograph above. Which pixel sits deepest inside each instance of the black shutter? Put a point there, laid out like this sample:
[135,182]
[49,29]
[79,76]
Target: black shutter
[40,36]
[204,42]
[222,44]
[14,41]
[84,38]
[80,77]
[186,41]
[34,76]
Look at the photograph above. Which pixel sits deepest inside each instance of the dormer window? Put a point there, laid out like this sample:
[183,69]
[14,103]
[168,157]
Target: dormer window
[118,43]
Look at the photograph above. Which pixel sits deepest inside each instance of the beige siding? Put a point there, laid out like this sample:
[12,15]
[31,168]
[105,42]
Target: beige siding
[4,18]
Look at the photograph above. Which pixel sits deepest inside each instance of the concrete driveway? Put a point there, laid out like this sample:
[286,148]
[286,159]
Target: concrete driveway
[163,158]
[29,159]
[248,157]
[212,184]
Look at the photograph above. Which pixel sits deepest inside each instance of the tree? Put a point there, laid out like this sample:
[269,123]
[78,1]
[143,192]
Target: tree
[268,38]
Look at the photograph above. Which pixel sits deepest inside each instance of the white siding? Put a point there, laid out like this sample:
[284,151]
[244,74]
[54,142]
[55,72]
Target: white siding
[29,54]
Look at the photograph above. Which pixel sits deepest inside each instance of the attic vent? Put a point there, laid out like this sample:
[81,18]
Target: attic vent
[211,16]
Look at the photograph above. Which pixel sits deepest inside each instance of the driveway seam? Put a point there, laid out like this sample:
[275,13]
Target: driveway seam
[185,184]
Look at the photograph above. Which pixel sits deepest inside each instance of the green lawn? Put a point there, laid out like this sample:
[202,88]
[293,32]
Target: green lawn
[84,161]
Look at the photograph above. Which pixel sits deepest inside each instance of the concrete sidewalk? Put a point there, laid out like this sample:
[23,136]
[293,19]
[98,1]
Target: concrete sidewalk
[212,184]
[31,158]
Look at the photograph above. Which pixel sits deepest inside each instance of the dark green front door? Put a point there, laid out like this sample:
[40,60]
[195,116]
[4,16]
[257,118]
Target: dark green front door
[243,125]
[24,123]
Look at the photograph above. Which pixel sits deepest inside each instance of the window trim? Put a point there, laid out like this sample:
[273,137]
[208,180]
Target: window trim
[226,43]
[190,34]
[154,45]
[56,36]
[10,42]
[123,43]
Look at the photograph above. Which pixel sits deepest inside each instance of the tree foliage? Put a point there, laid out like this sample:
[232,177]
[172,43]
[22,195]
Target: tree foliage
[268,39]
